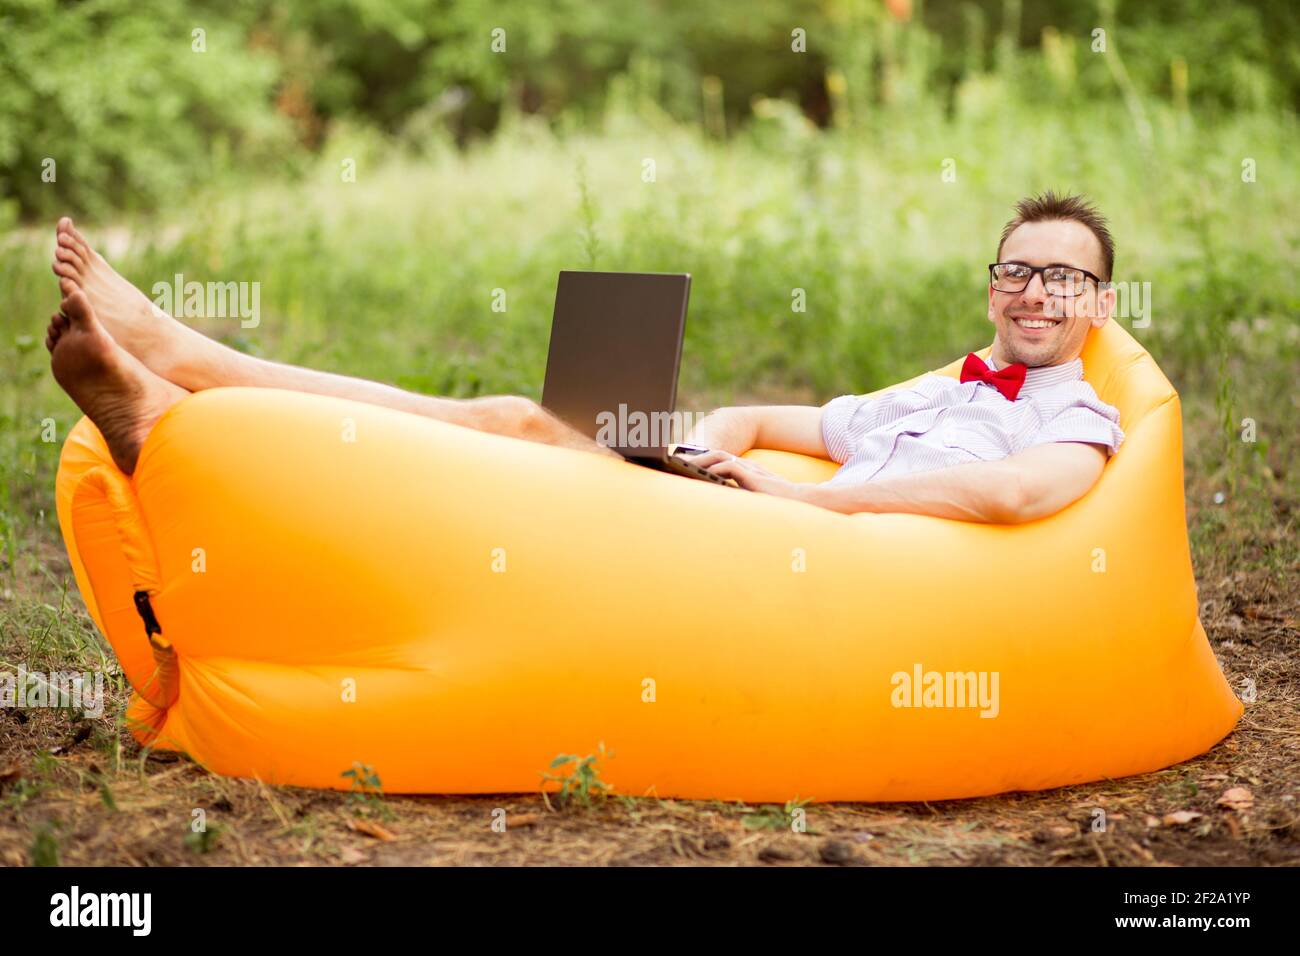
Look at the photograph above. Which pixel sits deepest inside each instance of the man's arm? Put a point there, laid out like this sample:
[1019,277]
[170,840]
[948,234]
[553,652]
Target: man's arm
[796,428]
[1033,484]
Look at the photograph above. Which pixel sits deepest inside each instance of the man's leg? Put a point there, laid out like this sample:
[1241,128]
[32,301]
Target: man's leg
[186,358]
[209,364]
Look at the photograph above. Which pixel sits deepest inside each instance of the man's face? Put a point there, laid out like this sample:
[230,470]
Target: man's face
[1040,329]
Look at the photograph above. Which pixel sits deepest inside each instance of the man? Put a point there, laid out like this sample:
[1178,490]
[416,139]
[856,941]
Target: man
[1013,442]
[1008,444]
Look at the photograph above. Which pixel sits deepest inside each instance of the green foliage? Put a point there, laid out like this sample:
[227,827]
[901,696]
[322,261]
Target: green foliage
[581,785]
[367,791]
[117,94]
[113,93]
[45,845]
[204,841]
[587,209]
[23,790]
[772,817]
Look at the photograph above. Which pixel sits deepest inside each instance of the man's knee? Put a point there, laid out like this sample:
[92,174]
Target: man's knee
[512,415]
[530,419]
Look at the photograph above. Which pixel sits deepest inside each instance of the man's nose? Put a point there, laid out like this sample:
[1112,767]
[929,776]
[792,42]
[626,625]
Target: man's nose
[1035,291]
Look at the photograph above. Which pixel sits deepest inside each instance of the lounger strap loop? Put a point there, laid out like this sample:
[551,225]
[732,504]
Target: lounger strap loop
[142,605]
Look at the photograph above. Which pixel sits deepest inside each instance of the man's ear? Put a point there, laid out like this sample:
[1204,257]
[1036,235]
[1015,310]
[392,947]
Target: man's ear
[990,312]
[1105,304]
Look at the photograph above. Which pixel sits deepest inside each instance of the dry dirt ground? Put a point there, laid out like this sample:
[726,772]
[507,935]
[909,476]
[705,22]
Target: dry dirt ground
[77,791]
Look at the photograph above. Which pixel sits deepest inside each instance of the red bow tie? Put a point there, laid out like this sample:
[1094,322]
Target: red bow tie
[1006,380]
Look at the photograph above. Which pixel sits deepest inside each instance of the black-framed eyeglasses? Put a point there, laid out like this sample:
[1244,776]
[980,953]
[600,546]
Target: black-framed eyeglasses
[1058,280]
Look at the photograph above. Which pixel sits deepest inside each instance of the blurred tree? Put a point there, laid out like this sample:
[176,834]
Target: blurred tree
[124,102]
[132,112]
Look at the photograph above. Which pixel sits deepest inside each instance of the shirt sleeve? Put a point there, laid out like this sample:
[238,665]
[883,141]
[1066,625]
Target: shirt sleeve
[842,426]
[1088,420]
[847,419]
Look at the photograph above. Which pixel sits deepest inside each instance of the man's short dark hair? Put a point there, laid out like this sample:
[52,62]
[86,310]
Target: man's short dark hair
[1048,207]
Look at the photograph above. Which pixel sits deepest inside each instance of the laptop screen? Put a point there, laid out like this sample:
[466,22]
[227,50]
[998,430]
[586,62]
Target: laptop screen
[616,344]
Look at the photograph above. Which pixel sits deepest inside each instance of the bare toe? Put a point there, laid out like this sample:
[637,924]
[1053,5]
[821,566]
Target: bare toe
[78,241]
[67,231]
[53,331]
[76,307]
[58,324]
[65,253]
[65,270]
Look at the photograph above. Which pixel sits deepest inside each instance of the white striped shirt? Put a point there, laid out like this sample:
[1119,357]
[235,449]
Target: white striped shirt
[938,422]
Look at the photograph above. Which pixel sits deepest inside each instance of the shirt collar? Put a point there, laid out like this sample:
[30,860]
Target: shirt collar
[1046,376]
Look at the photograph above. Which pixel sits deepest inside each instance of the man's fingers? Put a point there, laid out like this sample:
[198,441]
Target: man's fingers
[726,465]
[744,465]
[737,472]
[710,457]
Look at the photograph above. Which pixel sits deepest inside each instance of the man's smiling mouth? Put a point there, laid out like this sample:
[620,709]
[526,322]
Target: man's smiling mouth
[1033,322]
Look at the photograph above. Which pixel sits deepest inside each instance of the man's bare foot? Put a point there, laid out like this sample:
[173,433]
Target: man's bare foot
[134,322]
[115,390]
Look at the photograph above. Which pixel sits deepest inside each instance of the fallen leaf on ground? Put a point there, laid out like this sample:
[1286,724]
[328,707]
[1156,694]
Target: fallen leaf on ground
[1236,798]
[372,829]
[1179,817]
[522,820]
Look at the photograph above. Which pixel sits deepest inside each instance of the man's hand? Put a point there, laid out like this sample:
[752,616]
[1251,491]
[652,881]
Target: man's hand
[748,475]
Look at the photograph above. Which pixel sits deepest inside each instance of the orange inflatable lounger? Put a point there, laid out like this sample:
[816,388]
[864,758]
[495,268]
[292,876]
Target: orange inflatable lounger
[295,585]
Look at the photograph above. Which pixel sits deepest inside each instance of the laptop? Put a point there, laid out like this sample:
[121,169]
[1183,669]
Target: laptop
[611,370]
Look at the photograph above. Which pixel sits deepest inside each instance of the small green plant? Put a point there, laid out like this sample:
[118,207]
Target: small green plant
[23,790]
[205,840]
[582,784]
[367,793]
[45,845]
[772,817]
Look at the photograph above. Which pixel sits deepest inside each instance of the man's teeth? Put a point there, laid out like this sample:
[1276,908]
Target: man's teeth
[1037,323]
